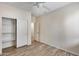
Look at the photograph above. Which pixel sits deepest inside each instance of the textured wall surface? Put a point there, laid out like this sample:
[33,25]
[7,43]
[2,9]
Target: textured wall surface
[61,28]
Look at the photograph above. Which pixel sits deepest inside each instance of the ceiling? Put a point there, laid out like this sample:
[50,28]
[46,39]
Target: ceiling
[21,5]
[50,6]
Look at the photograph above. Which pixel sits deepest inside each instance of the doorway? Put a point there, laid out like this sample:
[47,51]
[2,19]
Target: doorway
[37,31]
[35,26]
[9,32]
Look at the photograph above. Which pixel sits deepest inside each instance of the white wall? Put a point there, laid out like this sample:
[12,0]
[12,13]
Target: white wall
[29,28]
[0,36]
[32,27]
[23,17]
[61,28]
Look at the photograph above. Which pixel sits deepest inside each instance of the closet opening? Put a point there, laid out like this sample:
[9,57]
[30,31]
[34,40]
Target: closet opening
[9,32]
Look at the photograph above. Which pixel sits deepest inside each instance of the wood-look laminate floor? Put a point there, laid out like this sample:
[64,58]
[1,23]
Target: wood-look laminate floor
[36,49]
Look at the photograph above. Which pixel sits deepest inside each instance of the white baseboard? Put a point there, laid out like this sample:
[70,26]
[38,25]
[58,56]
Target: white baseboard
[60,48]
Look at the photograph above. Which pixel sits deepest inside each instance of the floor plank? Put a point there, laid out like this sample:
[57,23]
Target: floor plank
[36,49]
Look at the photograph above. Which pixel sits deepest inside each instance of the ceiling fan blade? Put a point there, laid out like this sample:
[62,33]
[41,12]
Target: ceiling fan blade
[37,4]
[46,8]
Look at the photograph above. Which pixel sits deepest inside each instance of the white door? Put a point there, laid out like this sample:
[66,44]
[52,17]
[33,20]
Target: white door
[21,33]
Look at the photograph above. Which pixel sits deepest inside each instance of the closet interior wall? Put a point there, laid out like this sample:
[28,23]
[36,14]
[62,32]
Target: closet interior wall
[8,32]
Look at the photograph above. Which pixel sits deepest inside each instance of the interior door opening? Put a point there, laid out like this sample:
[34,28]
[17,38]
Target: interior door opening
[35,26]
[9,32]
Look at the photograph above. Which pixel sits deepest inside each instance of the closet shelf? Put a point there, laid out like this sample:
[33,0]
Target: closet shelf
[8,41]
